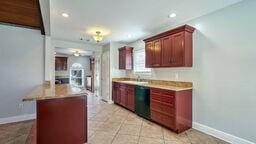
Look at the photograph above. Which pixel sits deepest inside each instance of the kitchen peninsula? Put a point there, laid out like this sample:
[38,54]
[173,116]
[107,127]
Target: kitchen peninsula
[61,114]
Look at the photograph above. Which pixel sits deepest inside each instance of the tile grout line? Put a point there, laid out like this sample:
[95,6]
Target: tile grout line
[140,131]
[117,132]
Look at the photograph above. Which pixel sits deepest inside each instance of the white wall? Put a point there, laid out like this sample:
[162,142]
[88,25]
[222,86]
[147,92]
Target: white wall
[114,64]
[22,68]
[113,47]
[114,60]
[224,95]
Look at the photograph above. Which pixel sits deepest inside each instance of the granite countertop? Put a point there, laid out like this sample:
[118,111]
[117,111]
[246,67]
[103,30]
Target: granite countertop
[47,91]
[175,86]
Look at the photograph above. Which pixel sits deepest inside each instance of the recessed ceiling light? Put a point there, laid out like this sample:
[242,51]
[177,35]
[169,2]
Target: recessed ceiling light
[129,36]
[65,15]
[172,15]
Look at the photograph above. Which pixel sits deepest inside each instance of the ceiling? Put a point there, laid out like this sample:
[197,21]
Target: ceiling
[71,51]
[119,18]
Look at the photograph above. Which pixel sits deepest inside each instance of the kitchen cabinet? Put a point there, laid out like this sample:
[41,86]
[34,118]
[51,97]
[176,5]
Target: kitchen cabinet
[62,120]
[156,59]
[126,58]
[170,49]
[123,94]
[115,92]
[61,63]
[172,109]
[149,54]
[130,98]
[166,51]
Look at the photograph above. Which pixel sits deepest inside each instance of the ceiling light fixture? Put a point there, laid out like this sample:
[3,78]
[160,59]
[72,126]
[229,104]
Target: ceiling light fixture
[77,54]
[65,15]
[172,15]
[129,36]
[98,37]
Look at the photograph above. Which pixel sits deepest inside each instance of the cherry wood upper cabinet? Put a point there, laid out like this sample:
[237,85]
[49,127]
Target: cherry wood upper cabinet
[61,63]
[166,51]
[126,58]
[156,59]
[173,48]
[149,54]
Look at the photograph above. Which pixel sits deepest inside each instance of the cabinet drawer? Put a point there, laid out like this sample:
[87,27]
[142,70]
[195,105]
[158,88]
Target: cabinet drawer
[168,109]
[163,119]
[162,97]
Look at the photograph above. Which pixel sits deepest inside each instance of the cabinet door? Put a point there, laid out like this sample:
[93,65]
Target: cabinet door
[114,92]
[128,59]
[61,63]
[166,51]
[149,54]
[118,96]
[121,59]
[157,53]
[178,49]
[130,98]
[123,95]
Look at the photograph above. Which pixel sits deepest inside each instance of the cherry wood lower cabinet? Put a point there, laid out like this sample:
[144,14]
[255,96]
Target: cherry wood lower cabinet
[130,98]
[172,109]
[62,121]
[123,94]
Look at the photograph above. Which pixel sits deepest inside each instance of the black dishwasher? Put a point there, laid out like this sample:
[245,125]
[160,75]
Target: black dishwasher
[142,101]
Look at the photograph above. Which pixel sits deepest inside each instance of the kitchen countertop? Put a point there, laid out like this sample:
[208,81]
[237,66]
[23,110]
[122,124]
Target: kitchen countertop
[153,85]
[47,91]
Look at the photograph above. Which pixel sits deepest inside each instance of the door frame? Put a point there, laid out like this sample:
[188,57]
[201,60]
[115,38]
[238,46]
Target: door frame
[106,98]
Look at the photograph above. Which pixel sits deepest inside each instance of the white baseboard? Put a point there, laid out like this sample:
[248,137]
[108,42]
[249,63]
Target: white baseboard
[110,102]
[219,134]
[17,118]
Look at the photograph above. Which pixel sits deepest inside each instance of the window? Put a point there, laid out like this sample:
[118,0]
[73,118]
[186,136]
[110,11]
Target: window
[139,62]
[77,75]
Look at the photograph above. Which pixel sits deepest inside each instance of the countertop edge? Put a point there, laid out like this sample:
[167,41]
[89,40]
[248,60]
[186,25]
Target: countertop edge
[158,87]
[53,97]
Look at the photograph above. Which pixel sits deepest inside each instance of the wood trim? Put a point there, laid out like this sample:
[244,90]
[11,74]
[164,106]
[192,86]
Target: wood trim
[41,19]
[22,13]
[170,32]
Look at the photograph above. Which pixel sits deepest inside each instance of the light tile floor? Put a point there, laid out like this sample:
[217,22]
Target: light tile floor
[15,133]
[112,124]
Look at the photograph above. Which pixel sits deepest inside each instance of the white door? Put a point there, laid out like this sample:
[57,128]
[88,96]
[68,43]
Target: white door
[105,76]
